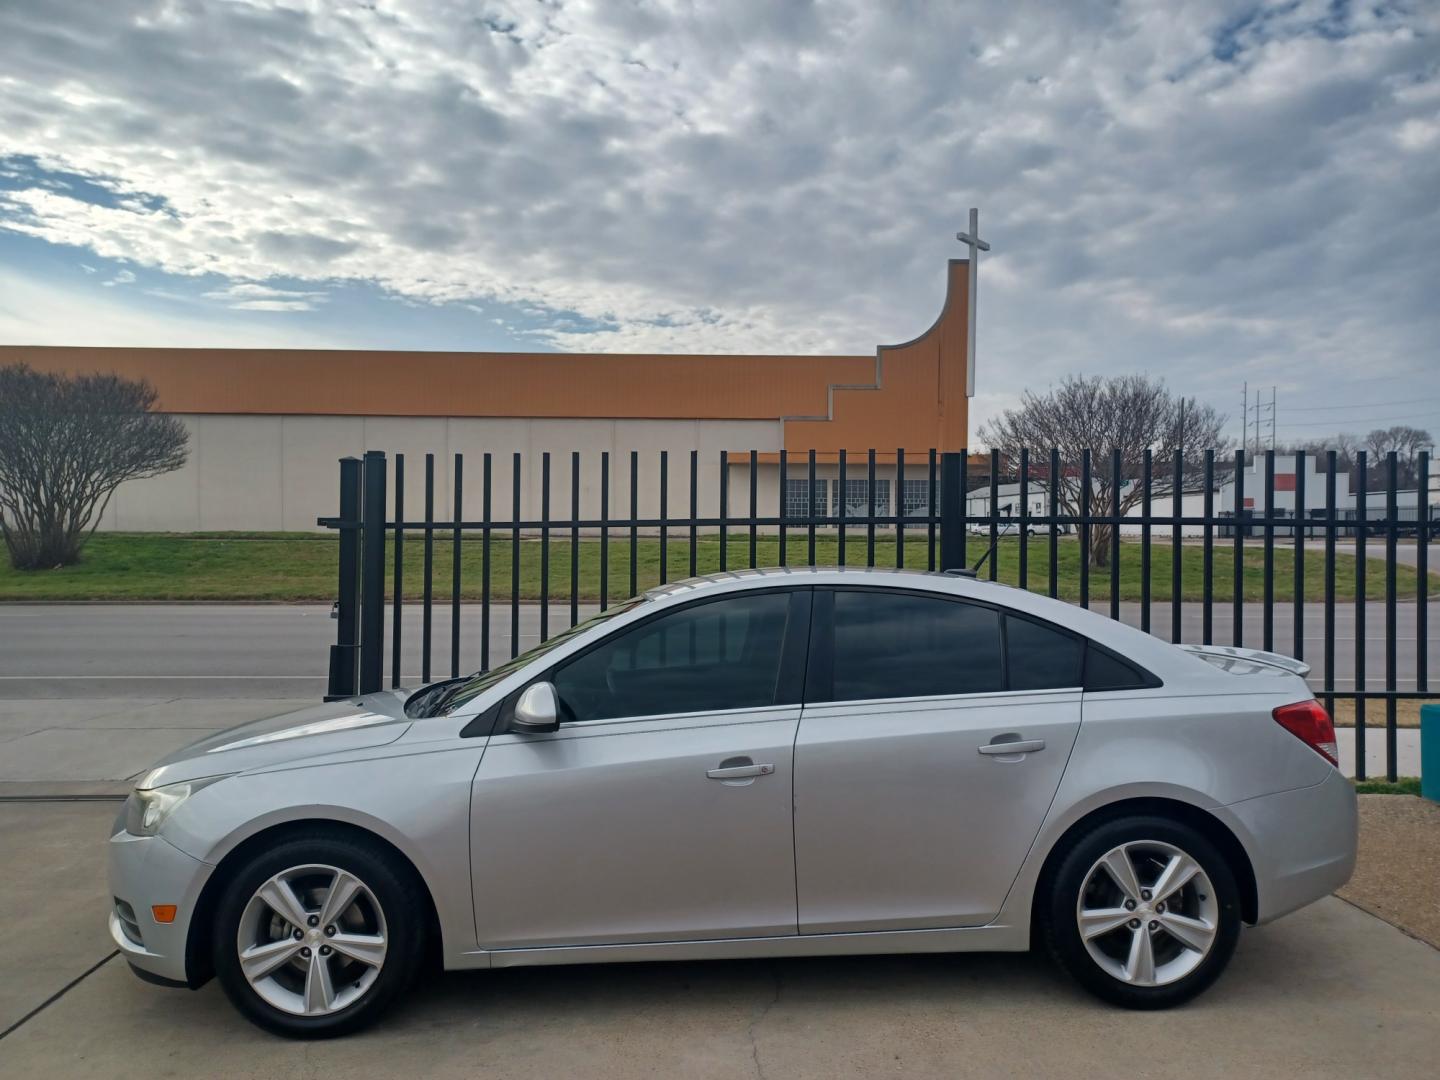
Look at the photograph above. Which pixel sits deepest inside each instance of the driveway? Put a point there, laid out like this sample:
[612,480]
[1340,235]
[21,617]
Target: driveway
[1328,992]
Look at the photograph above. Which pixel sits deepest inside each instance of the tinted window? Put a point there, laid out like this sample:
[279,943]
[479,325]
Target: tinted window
[1106,672]
[1040,657]
[891,645]
[447,700]
[720,655]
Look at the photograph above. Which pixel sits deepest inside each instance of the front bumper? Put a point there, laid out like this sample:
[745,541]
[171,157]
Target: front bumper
[1301,843]
[144,871]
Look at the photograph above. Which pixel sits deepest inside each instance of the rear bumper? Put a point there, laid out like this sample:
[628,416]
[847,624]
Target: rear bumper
[1301,843]
[148,870]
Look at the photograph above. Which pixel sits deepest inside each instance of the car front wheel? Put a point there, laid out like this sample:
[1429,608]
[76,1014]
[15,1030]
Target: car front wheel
[1142,911]
[319,935]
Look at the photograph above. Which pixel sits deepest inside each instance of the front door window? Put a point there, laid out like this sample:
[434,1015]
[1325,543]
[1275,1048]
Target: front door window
[721,655]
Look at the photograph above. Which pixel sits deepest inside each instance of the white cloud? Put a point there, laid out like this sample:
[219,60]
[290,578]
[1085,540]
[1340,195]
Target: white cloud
[250,296]
[122,277]
[1206,191]
[273,305]
[33,312]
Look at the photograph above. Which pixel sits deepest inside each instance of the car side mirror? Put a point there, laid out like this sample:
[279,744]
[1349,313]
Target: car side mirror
[538,710]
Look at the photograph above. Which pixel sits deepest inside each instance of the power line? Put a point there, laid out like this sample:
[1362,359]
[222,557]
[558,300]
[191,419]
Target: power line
[1387,378]
[1372,420]
[1365,405]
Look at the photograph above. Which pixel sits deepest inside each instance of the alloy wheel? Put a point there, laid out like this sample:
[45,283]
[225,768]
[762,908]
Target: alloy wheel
[1148,913]
[312,940]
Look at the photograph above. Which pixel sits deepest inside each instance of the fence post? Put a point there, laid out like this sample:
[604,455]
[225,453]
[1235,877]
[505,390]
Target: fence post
[952,511]
[372,573]
[342,653]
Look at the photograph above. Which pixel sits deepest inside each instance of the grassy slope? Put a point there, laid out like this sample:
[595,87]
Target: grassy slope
[291,566]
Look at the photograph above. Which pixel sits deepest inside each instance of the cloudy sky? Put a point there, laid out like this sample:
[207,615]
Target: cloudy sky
[1212,192]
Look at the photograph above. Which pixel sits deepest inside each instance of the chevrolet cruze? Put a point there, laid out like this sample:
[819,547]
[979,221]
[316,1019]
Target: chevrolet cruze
[769,763]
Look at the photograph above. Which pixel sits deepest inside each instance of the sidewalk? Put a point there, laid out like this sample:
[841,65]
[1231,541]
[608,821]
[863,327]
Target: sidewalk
[1407,751]
[83,746]
[86,746]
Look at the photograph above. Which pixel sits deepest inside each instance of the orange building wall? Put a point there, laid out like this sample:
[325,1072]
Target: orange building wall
[920,403]
[909,396]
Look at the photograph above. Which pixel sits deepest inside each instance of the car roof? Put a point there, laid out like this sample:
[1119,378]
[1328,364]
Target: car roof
[793,575]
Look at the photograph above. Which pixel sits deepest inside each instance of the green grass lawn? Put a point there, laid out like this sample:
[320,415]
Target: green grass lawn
[299,566]
[1404,785]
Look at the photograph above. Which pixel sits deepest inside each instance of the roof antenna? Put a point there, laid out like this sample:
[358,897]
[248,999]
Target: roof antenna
[974,571]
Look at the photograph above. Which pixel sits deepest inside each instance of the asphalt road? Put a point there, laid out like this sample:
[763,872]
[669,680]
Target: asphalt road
[281,650]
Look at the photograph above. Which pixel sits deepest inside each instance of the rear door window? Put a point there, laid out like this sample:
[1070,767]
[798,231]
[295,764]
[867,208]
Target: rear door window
[901,645]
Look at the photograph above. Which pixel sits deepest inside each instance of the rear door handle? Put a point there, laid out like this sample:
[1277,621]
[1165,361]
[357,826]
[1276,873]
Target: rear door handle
[739,772]
[1018,746]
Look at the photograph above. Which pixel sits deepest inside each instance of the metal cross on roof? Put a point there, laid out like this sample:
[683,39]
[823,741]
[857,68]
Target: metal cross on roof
[972,240]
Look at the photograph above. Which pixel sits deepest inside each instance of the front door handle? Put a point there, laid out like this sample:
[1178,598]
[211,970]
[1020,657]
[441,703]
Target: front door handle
[1015,746]
[739,772]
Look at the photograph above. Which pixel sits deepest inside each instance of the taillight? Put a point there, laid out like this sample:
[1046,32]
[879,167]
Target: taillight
[1311,724]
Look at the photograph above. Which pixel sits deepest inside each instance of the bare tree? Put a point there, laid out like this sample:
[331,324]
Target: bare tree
[1318,450]
[66,444]
[1407,442]
[1131,413]
[1345,447]
[1380,442]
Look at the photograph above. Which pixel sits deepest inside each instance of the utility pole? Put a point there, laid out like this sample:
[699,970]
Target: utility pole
[1257,421]
[1245,418]
[1180,435]
[972,240]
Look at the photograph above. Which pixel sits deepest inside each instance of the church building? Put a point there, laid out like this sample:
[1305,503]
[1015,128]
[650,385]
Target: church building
[267,426]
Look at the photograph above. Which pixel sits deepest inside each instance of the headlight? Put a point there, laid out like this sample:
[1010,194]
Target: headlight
[147,810]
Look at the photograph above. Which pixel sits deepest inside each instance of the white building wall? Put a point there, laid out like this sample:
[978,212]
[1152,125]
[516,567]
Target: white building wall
[269,473]
[1192,504]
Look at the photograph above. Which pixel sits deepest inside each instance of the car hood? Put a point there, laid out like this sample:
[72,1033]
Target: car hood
[354,724]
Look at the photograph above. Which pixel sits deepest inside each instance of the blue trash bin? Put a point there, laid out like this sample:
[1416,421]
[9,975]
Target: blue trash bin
[1430,751]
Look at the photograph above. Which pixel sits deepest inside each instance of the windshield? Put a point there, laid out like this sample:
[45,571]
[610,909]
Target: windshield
[466,690]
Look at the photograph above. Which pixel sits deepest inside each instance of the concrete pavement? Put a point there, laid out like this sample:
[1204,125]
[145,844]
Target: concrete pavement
[1327,992]
[1406,554]
[94,745]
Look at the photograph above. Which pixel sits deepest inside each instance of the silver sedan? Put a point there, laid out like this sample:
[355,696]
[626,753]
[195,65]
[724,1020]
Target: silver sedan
[770,763]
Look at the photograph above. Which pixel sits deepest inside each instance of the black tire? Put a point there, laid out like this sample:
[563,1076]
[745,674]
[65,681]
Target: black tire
[1058,902]
[395,888]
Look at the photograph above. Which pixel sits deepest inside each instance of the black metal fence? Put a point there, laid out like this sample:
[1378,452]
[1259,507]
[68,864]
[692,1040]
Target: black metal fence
[933,523]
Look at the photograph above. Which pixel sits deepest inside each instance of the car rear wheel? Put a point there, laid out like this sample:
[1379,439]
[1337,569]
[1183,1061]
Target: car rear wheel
[1142,911]
[319,935]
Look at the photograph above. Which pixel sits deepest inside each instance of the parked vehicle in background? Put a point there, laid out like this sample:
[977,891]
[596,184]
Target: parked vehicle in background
[790,762]
[1013,526]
